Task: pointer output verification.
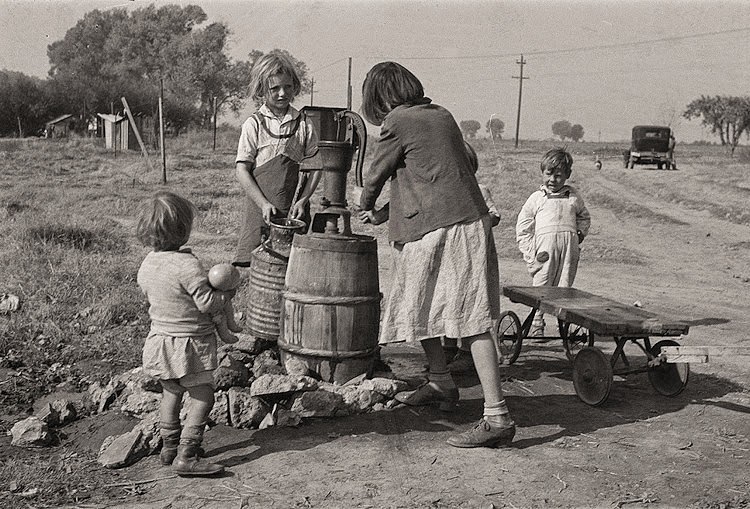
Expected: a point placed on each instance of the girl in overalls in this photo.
(274, 140)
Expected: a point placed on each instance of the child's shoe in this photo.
(430, 393)
(485, 434)
(187, 462)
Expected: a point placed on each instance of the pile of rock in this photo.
(253, 390)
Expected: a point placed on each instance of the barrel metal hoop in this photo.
(306, 298)
(327, 354)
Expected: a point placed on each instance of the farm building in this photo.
(118, 132)
(59, 127)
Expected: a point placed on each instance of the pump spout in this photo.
(359, 137)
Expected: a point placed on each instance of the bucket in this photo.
(331, 305)
(266, 278)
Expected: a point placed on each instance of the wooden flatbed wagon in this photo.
(582, 317)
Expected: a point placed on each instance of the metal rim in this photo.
(592, 376)
(574, 338)
(508, 337)
(668, 379)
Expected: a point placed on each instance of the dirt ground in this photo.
(639, 449)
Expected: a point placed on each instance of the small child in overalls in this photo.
(551, 225)
(274, 140)
(180, 350)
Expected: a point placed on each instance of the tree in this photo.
(470, 128)
(729, 117)
(116, 53)
(22, 103)
(576, 132)
(561, 128)
(495, 128)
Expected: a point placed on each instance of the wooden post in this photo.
(312, 90)
(161, 134)
(137, 134)
(215, 115)
(520, 79)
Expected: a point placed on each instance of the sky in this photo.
(607, 65)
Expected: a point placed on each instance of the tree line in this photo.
(115, 53)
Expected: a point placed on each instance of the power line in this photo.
(582, 48)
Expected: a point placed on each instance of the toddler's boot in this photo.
(187, 462)
(170, 439)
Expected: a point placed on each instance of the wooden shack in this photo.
(116, 131)
(60, 127)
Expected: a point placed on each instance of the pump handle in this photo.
(360, 138)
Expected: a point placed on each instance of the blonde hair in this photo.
(165, 221)
(268, 65)
(558, 157)
(387, 85)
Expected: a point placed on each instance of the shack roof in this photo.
(110, 118)
(60, 119)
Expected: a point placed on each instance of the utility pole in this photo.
(349, 87)
(312, 90)
(520, 79)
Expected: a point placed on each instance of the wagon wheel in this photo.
(508, 337)
(592, 376)
(668, 378)
(574, 338)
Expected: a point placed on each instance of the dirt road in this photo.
(639, 449)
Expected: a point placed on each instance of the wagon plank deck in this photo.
(600, 315)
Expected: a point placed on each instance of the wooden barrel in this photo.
(331, 305)
(266, 279)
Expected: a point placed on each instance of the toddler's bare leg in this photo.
(229, 312)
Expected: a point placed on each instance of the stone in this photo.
(319, 403)
(265, 363)
(245, 410)
(120, 450)
(30, 432)
(247, 344)
(388, 387)
(101, 397)
(295, 366)
(220, 412)
(232, 373)
(140, 402)
(357, 379)
(65, 411)
(281, 384)
(136, 379)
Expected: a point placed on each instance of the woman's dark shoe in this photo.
(427, 394)
(484, 434)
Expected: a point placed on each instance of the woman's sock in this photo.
(497, 414)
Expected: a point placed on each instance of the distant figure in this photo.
(551, 225)
(598, 164)
(670, 153)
